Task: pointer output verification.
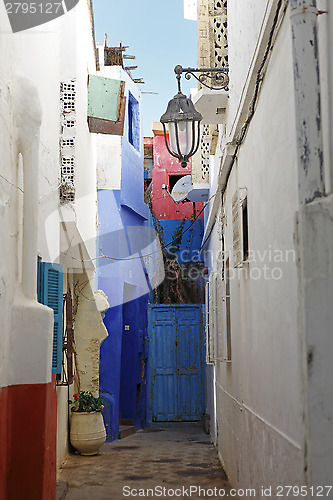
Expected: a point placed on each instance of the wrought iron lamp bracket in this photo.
(218, 77)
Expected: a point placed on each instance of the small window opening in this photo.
(172, 181)
(245, 230)
(133, 122)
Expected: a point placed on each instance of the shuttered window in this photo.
(240, 227)
(209, 345)
(106, 105)
(211, 319)
(50, 293)
(236, 230)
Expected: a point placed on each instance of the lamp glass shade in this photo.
(185, 137)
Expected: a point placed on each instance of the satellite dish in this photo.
(181, 188)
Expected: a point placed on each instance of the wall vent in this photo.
(68, 87)
(69, 123)
(205, 152)
(219, 25)
(67, 140)
(68, 143)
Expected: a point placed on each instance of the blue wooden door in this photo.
(176, 363)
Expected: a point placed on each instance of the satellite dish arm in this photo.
(165, 187)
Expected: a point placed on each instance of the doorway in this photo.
(176, 357)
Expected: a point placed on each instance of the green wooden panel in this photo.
(103, 97)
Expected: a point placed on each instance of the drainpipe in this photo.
(330, 86)
(303, 17)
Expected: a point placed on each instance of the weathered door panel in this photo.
(165, 372)
(176, 363)
(165, 389)
(190, 362)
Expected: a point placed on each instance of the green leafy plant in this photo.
(84, 401)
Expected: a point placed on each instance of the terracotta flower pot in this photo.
(87, 433)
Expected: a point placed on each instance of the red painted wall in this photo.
(164, 166)
(28, 425)
(3, 440)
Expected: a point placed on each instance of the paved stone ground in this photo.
(170, 456)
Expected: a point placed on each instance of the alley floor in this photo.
(163, 461)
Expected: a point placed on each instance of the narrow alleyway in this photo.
(176, 457)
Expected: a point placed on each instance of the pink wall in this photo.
(164, 166)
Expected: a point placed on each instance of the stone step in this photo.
(126, 430)
(124, 421)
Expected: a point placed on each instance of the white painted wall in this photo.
(21, 57)
(261, 433)
(60, 50)
(251, 24)
(108, 162)
(76, 60)
(246, 20)
(110, 151)
(274, 399)
(315, 245)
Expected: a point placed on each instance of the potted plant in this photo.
(87, 432)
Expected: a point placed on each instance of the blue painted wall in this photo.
(132, 170)
(134, 362)
(190, 241)
(122, 223)
(125, 284)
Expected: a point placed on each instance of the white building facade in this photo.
(268, 241)
(48, 215)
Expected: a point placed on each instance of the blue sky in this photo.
(159, 37)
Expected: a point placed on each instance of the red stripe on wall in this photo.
(3, 440)
(28, 425)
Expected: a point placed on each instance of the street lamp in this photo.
(184, 125)
(181, 116)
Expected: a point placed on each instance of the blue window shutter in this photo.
(50, 293)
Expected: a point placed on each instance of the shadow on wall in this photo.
(123, 363)
(110, 416)
(109, 371)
